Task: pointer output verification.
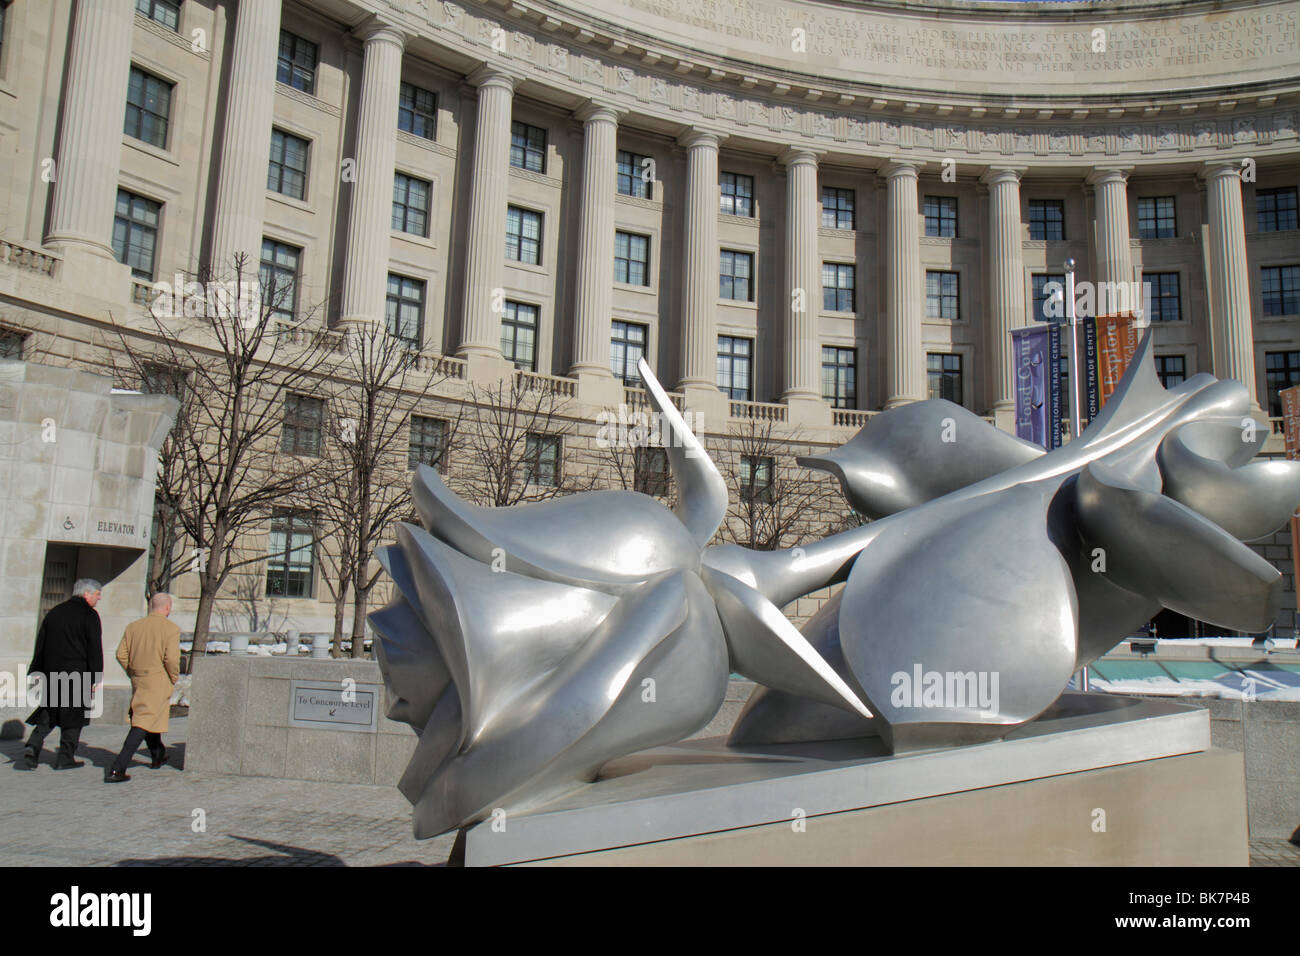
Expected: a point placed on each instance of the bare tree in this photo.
(250, 609)
(631, 451)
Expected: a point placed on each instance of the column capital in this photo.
(380, 31)
(598, 111)
(1219, 169)
(800, 156)
(900, 167)
(703, 138)
(1108, 174)
(1003, 174)
(489, 74)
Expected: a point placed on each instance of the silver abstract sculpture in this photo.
(530, 645)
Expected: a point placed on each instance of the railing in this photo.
(25, 257)
(636, 398)
(761, 411)
(850, 417)
(566, 387)
(445, 365)
(142, 293)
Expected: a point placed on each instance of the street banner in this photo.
(1117, 339)
(1091, 394)
(1291, 426)
(1036, 351)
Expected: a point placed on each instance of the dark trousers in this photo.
(68, 738)
(135, 737)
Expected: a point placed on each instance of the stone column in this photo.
(905, 375)
(90, 132)
(1114, 258)
(365, 270)
(480, 332)
(246, 138)
(595, 293)
(1230, 307)
(803, 284)
(1006, 298)
(700, 267)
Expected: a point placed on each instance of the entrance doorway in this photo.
(60, 575)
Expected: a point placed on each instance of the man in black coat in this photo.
(70, 659)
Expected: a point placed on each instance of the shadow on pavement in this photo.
(284, 855)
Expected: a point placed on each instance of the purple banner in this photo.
(1037, 382)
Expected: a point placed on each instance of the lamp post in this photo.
(1072, 319)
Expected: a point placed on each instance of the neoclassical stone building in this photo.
(800, 212)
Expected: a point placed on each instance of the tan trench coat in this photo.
(150, 653)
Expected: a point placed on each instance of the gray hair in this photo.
(159, 601)
(86, 586)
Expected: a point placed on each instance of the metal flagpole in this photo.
(1075, 418)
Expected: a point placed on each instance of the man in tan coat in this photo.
(150, 653)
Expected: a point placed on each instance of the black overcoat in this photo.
(68, 643)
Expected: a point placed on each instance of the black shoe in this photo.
(158, 760)
(116, 776)
(31, 760)
(68, 764)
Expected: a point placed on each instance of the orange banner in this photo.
(1290, 398)
(1117, 339)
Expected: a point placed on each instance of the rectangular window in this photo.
(837, 287)
(542, 464)
(650, 470)
(528, 147)
(523, 235)
(166, 12)
(736, 367)
(519, 335)
(417, 111)
(278, 274)
(288, 168)
(941, 295)
(941, 216)
(632, 174)
(404, 309)
(1172, 370)
(945, 376)
(839, 376)
(1046, 219)
(626, 348)
(1282, 370)
(12, 343)
(1166, 305)
(148, 106)
(631, 258)
(135, 233)
(428, 442)
(737, 194)
(291, 555)
(304, 423)
(1275, 209)
(736, 276)
(1280, 288)
(162, 380)
(1042, 286)
(411, 204)
(1156, 217)
(837, 208)
(756, 477)
(296, 66)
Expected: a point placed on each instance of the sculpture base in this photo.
(1097, 780)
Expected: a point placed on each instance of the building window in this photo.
(288, 169)
(519, 335)
(11, 343)
(837, 208)
(839, 376)
(1166, 305)
(528, 147)
(404, 309)
(1042, 287)
(304, 422)
(135, 233)
(650, 470)
(523, 235)
(1046, 219)
(1280, 286)
(1282, 370)
(1156, 217)
(756, 477)
(941, 296)
(291, 555)
(632, 178)
(411, 204)
(626, 347)
(1172, 370)
(297, 63)
(417, 111)
(166, 12)
(278, 274)
(428, 442)
(631, 258)
(737, 194)
(737, 276)
(148, 105)
(945, 376)
(1275, 209)
(542, 453)
(162, 380)
(941, 216)
(735, 367)
(837, 287)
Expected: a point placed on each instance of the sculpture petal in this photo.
(410, 662)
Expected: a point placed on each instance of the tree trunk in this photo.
(202, 619)
(341, 599)
(359, 604)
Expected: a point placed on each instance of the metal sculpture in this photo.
(528, 646)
